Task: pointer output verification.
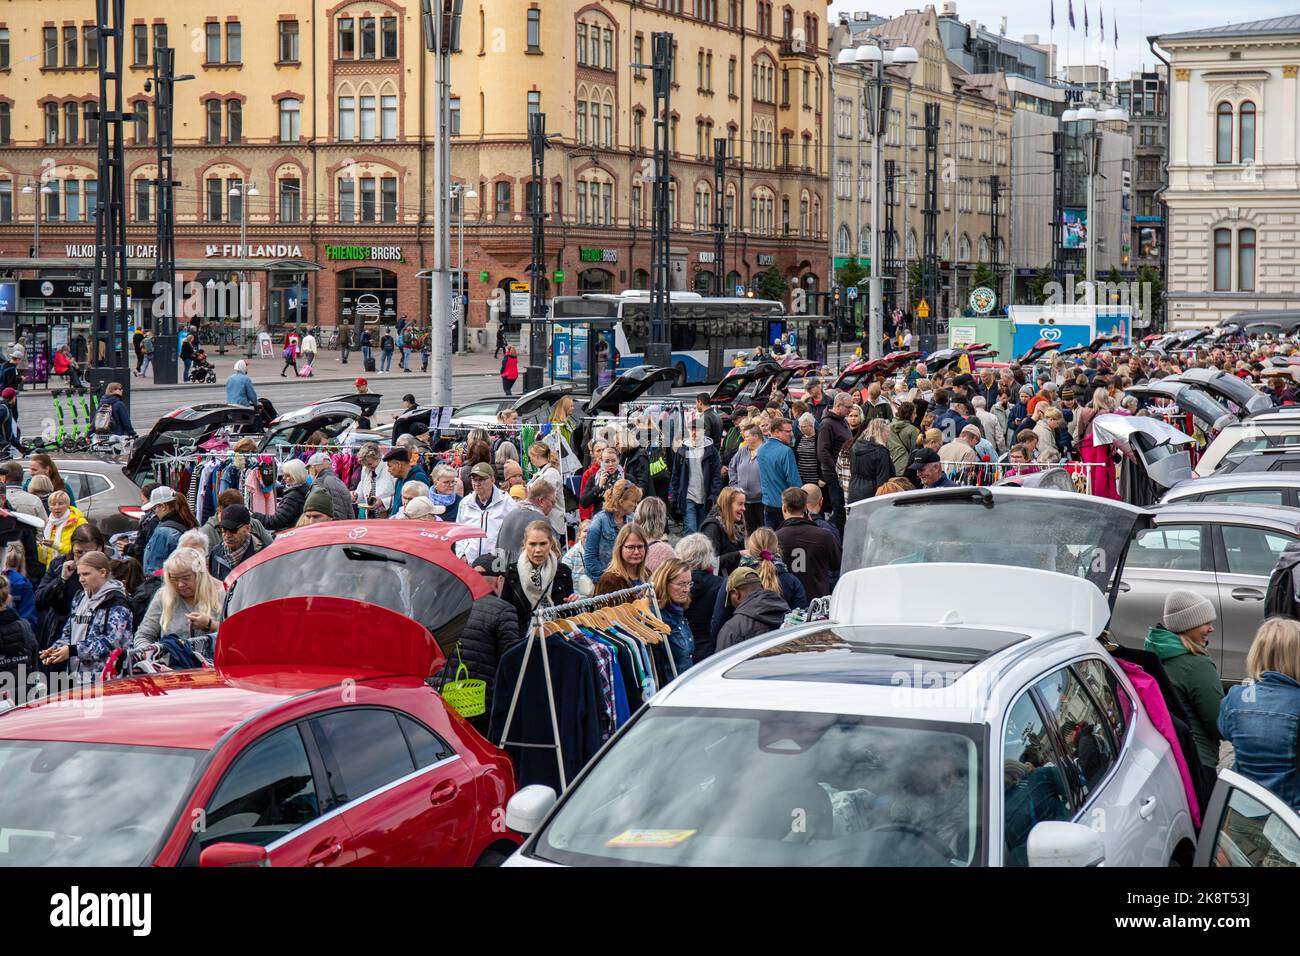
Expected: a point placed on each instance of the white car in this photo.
(939, 718)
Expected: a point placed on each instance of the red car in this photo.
(314, 741)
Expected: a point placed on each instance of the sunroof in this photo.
(918, 657)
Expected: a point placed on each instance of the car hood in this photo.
(190, 425)
(1225, 386)
(628, 387)
(1064, 532)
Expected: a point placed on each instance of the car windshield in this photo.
(1061, 532)
(687, 787)
(79, 804)
(418, 589)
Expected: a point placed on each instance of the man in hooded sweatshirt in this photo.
(758, 610)
(697, 478)
(1181, 641)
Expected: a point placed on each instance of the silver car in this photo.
(1242, 488)
(1223, 552)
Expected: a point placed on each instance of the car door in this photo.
(273, 795)
(407, 796)
(1246, 557)
(1246, 825)
(1170, 555)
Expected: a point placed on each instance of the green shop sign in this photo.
(363, 254)
(597, 255)
(558, 277)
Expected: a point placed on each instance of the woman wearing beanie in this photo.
(1181, 641)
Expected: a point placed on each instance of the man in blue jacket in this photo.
(120, 422)
(777, 470)
(239, 387)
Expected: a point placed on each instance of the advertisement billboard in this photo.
(8, 296)
(1074, 228)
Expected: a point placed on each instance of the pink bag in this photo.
(304, 372)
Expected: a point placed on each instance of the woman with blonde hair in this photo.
(620, 501)
(1259, 718)
(726, 527)
(100, 620)
(763, 554)
(870, 464)
(672, 584)
(1097, 457)
(537, 578)
(63, 519)
(546, 464)
(652, 515)
(894, 486)
(627, 565)
(188, 605)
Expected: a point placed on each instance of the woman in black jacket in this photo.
(289, 508)
(492, 626)
(636, 468)
(725, 529)
(870, 465)
(696, 553)
(538, 578)
(17, 644)
(61, 585)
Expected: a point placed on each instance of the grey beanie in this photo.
(1186, 610)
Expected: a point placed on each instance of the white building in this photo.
(1234, 170)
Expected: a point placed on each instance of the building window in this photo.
(1246, 260)
(92, 199)
(289, 120)
(347, 118)
(288, 41)
(235, 114)
(72, 200)
(70, 47)
(367, 118)
(212, 53)
(1222, 260)
(215, 190)
(388, 199)
(388, 118)
(290, 200)
(51, 123)
(1223, 134)
(389, 51)
(502, 199)
(636, 206)
(534, 102)
(50, 48)
(235, 190)
(6, 200)
(455, 116)
(368, 48)
(52, 204)
(1246, 132)
(71, 124)
(580, 121)
(159, 37)
(534, 31)
(90, 47)
(234, 43)
(140, 118)
(5, 127)
(347, 199)
(347, 38)
(214, 121)
(142, 194)
(638, 52)
(368, 207)
(638, 120)
(4, 65)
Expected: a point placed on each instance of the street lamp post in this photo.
(45, 190)
(873, 58)
(1092, 114)
(461, 194)
(243, 191)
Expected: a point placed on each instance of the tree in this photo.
(771, 285)
(1149, 279)
(915, 285)
(984, 277)
(851, 273)
(1037, 287)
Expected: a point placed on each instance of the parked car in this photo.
(1253, 434)
(315, 741)
(1243, 488)
(945, 726)
(1277, 458)
(1246, 825)
(101, 491)
(1241, 397)
(1223, 552)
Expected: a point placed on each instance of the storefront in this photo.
(367, 294)
(593, 277)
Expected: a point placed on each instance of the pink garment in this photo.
(1103, 478)
(658, 553)
(1154, 702)
(259, 503)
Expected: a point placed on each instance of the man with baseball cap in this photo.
(238, 543)
(758, 610)
(486, 508)
(322, 477)
(400, 467)
(925, 470)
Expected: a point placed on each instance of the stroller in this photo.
(202, 372)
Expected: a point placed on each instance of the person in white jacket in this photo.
(373, 483)
(485, 507)
(309, 348)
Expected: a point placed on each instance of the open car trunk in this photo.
(1064, 532)
(185, 428)
(1210, 416)
(628, 387)
(332, 419)
(1155, 448)
(1225, 387)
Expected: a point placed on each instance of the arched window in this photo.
(1246, 132)
(1223, 134)
(963, 248)
(580, 116)
(984, 249)
(703, 207)
(1246, 260)
(945, 248)
(843, 240)
(817, 215)
(1222, 260)
(864, 242)
(911, 244)
(594, 198)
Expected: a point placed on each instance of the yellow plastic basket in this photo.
(467, 697)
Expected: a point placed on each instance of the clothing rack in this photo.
(536, 635)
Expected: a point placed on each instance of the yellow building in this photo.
(328, 112)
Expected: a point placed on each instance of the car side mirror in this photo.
(1057, 843)
(526, 810)
(234, 854)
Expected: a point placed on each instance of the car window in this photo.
(1286, 464)
(1082, 729)
(1169, 547)
(1252, 835)
(96, 484)
(1033, 787)
(368, 748)
(1252, 550)
(426, 746)
(1109, 694)
(1243, 496)
(267, 792)
(75, 482)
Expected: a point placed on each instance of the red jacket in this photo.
(584, 514)
(510, 367)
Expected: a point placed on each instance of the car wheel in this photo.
(492, 858)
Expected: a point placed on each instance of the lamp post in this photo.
(460, 194)
(243, 191)
(873, 58)
(45, 189)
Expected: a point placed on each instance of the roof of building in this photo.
(1275, 26)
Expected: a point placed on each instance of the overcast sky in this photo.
(1136, 19)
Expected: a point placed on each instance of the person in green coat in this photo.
(1181, 642)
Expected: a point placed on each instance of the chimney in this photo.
(950, 8)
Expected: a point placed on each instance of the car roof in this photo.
(1223, 512)
(1283, 450)
(189, 709)
(1238, 479)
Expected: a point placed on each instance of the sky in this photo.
(1136, 19)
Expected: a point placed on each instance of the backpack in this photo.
(104, 419)
(287, 353)
(1281, 598)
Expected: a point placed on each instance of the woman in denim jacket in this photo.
(620, 501)
(1262, 716)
